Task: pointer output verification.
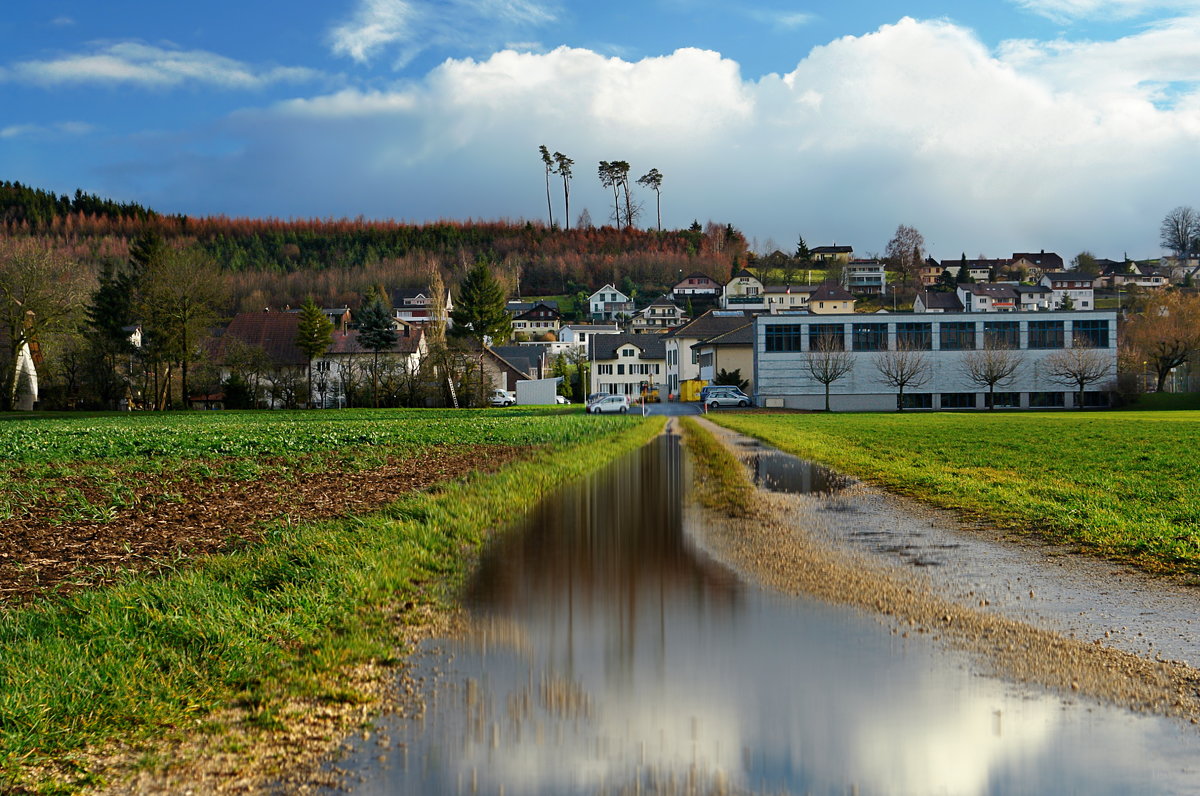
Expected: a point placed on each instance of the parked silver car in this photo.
(726, 396)
(610, 403)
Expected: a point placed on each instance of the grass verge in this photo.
(1117, 484)
(152, 658)
(721, 482)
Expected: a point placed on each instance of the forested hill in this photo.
(275, 257)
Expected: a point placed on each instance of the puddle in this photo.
(781, 472)
(613, 657)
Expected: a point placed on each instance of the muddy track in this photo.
(773, 548)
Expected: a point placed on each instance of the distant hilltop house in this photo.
(419, 305)
(608, 303)
(661, 315)
(696, 284)
(831, 254)
(1131, 274)
(865, 276)
(1070, 288)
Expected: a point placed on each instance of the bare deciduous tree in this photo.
(906, 252)
(993, 366)
(828, 361)
(1180, 230)
(1165, 333)
(1080, 367)
(903, 368)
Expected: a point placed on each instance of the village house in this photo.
(419, 305)
(682, 359)
(1070, 287)
(830, 298)
(579, 335)
(537, 321)
(23, 370)
(696, 284)
(609, 304)
(731, 351)
(788, 298)
(661, 315)
(627, 364)
(744, 291)
(832, 254)
(865, 276)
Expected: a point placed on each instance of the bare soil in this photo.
(172, 522)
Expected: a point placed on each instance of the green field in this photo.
(1117, 484)
(158, 655)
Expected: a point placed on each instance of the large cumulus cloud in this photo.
(1035, 145)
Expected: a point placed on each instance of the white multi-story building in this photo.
(946, 343)
(1070, 285)
(623, 364)
(608, 303)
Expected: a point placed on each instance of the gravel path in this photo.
(1035, 615)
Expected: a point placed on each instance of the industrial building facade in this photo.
(948, 348)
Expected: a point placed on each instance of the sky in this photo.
(992, 126)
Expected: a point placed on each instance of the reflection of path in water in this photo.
(611, 654)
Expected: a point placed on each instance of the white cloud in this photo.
(150, 66)
(1068, 10)
(31, 130)
(781, 20)
(410, 26)
(62, 22)
(1059, 146)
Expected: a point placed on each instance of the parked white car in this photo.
(503, 398)
(610, 403)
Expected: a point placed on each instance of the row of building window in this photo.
(951, 335)
(1000, 400)
(633, 370)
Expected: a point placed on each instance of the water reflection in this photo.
(615, 657)
(783, 472)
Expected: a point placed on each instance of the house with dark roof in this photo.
(988, 297)
(538, 320)
(788, 298)
(609, 304)
(260, 348)
(829, 254)
(1035, 264)
(623, 364)
(928, 301)
(682, 360)
(830, 298)
(729, 351)
(865, 276)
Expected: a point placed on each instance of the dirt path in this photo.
(792, 545)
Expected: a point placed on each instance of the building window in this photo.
(1046, 334)
(958, 400)
(1002, 400)
(1001, 334)
(914, 336)
(783, 337)
(827, 336)
(957, 336)
(1093, 334)
(1047, 400)
(870, 336)
(604, 370)
(620, 370)
(1095, 399)
(918, 400)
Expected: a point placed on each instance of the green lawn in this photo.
(156, 655)
(1119, 484)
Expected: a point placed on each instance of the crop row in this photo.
(253, 434)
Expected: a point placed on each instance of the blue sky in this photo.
(993, 127)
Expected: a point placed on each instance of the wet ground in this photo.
(611, 654)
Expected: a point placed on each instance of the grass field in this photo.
(157, 655)
(1118, 484)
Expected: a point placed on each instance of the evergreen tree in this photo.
(375, 333)
(480, 314)
(109, 315)
(313, 335)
